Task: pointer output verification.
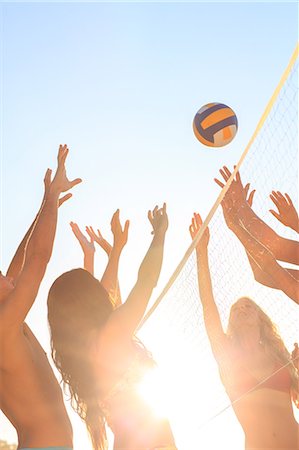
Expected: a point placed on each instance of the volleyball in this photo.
(215, 124)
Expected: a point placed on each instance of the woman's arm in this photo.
(126, 318)
(16, 305)
(17, 262)
(110, 276)
(283, 249)
(211, 315)
(275, 275)
(115, 297)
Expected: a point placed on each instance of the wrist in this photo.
(159, 237)
(202, 250)
(295, 226)
(54, 192)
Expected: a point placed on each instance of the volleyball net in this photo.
(174, 328)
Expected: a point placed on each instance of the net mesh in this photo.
(198, 406)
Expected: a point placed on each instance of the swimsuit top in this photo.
(239, 381)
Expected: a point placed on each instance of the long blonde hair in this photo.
(273, 345)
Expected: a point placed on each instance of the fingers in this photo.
(126, 228)
(250, 198)
(99, 233)
(274, 199)
(219, 183)
(225, 173)
(155, 210)
(75, 229)
(196, 223)
(151, 214)
(62, 154)
(64, 199)
(246, 189)
(275, 214)
(90, 232)
(279, 198)
(47, 178)
(289, 199)
(75, 182)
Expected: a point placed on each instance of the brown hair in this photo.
(77, 305)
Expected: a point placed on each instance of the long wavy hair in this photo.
(272, 343)
(78, 305)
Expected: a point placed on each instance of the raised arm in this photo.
(17, 262)
(211, 315)
(126, 318)
(274, 275)
(15, 306)
(87, 247)
(110, 276)
(283, 249)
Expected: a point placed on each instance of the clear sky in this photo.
(120, 83)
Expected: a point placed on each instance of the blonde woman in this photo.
(256, 369)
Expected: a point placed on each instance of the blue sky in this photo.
(120, 83)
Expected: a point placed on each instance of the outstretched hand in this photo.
(194, 228)
(236, 196)
(47, 184)
(236, 191)
(120, 234)
(98, 238)
(86, 245)
(60, 182)
(158, 219)
(287, 213)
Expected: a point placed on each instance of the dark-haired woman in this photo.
(97, 354)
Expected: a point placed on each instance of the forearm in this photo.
(211, 315)
(17, 262)
(110, 277)
(283, 249)
(205, 284)
(258, 228)
(151, 265)
(42, 237)
(281, 278)
(88, 262)
(260, 275)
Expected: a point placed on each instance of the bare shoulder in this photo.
(19, 345)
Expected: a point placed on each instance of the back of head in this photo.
(77, 305)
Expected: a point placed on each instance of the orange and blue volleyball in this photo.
(215, 124)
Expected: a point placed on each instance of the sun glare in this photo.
(152, 390)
